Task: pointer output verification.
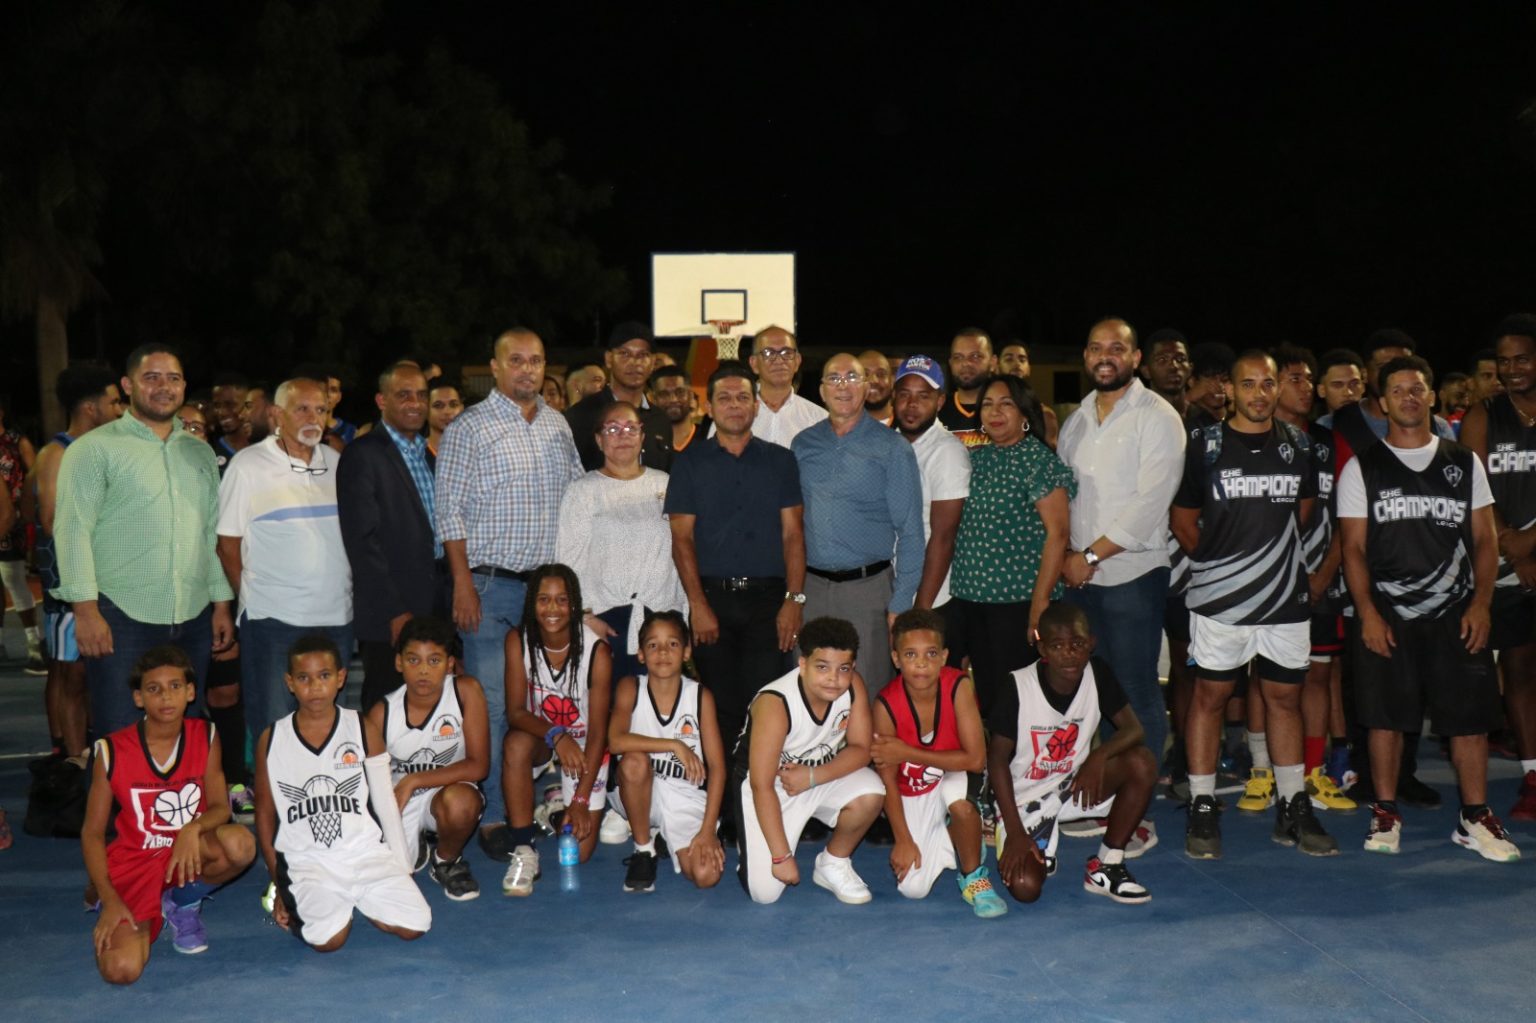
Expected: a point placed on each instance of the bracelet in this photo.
(581, 800)
(812, 785)
(783, 859)
(552, 736)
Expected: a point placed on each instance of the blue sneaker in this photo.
(186, 924)
(976, 889)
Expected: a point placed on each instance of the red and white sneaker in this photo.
(1485, 836)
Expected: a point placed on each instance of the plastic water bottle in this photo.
(570, 859)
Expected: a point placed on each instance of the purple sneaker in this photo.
(186, 924)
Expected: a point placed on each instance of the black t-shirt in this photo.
(1247, 568)
(1511, 467)
(963, 420)
(1418, 530)
(1005, 706)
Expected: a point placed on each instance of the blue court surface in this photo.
(1263, 934)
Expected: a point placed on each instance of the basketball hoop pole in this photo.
(727, 342)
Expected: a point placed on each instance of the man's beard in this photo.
(1115, 383)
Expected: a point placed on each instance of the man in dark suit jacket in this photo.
(384, 492)
(629, 356)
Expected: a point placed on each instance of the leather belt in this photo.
(851, 574)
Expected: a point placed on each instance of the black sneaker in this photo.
(1202, 835)
(423, 853)
(641, 875)
(1115, 881)
(1296, 824)
(1416, 794)
(455, 877)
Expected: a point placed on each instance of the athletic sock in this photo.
(1258, 749)
(1289, 780)
(1469, 811)
(648, 847)
(191, 894)
(1527, 766)
(1202, 785)
(34, 637)
(522, 836)
(1110, 856)
(1312, 752)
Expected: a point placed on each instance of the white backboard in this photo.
(689, 289)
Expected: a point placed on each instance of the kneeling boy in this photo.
(174, 843)
(439, 740)
(927, 736)
(672, 764)
(322, 846)
(1044, 772)
(805, 753)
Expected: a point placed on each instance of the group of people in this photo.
(925, 604)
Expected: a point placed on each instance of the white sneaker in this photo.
(1142, 839)
(1386, 832)
(522, 872)
(1485, 836)
(614, 830)
(837, 876)
(1088, 827)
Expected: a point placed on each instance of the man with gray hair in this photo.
(281, 548)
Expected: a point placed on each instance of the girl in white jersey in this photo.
(438, 734)
(558, 691)
(672, 772)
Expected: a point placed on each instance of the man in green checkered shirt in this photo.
(137, 503)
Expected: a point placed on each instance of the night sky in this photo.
(1248, 178)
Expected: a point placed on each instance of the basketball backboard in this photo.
(690, 291)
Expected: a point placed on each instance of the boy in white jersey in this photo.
(323, 849)
(672, 773)
(805, 753)
(438, 736)
(1044, 773)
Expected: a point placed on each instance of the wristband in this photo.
(553, 735)
(812, 785)
(783, 859)
(581, 800)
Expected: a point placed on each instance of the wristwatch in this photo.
(798, 598)
(1090, 557)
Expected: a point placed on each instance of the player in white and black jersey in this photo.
(1046, 771)
(672, 771)
(805, 753)
(1246, 491)
(438, 735)
(1420, 556)
(1501, 430)
(320, 840)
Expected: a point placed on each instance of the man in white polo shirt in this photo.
(280, 544)
(781, 413)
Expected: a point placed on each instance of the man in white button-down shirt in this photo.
(1126, 446)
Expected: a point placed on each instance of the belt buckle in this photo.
(737, 583)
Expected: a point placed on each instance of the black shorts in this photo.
(1514, 618)
(1429, 670)
(1327, 636)
(1176, 618)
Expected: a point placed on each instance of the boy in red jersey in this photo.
(173, 845)
(927, 736)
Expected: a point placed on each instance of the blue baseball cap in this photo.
(923, 366)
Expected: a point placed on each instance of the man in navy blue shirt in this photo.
(863, 507)
(735, 510)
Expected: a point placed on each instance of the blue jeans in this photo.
(264, 644)
(106, 678)
(485, 657)
(1127, 620)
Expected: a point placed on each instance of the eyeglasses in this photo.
(523, 362)
(776, 354)
(632, 354)
(621, 429)
(308, 470)
(838, 379)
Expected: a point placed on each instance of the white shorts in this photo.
(1217, 646)
(824, 802)
(321, 898)
(928, 821)
(417, 815)
(677, 813)
(596, 799)
(14, 574)
(1041, 823)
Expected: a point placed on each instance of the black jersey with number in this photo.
(1511, 468)
(1319, 533)
(1418, 530)
(1247, 568)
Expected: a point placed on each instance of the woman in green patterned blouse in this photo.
(1012, 538)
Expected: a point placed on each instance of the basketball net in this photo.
(726, 342)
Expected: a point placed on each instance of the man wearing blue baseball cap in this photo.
(943, 464)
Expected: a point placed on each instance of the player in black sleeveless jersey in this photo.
(1248, 486)
(1420, 556)
(1501, 430)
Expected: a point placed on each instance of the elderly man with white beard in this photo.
(281, 548)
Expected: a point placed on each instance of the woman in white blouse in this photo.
(614, 536)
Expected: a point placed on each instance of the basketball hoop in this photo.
(726, 342)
